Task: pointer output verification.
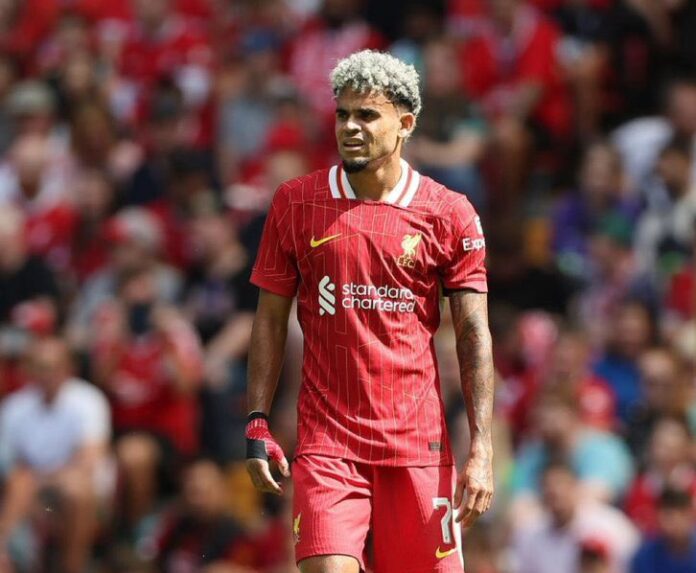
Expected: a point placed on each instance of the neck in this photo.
(377, 179)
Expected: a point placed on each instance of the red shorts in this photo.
(407, 509)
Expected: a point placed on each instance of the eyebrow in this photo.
(359, 110)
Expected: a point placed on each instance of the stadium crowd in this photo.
(141, 142)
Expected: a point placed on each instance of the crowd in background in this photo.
(140, 144)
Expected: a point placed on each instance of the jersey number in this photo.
(439, 502)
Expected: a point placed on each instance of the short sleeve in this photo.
(464, 250)
(275, 268)
(96, 417)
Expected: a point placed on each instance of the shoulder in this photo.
(84, 394)
(440, 200)
(18, 402)
(443, 203)
(314, 185)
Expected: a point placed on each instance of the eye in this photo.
(367, 114)
(341, 114)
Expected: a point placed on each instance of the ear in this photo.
(408, 124)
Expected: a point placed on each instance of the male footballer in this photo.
(368, 247)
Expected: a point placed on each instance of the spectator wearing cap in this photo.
(53, 438)
(33, 106)
(136, 241)
(673, 549)
(570, 525)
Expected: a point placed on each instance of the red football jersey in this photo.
(368, 276)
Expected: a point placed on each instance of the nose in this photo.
(351, 125)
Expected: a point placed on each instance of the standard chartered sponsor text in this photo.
(383, 298)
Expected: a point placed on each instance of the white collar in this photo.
(401, 195)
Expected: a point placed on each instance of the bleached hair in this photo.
(370, 71)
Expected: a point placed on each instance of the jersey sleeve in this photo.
(275, 268)
(463, 249)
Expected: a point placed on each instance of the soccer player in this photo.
(368, 246)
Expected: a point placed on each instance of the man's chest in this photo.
(364, 239)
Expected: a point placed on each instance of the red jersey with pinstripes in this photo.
(368, 276)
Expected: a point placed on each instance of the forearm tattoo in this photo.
(474, 351)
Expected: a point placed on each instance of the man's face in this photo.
(368, 128)
(49, 365)
(676, 524)
(559, 489)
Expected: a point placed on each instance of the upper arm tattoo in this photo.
(474, 351)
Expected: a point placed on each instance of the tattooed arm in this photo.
(470, 318)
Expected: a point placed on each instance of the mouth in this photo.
(353, 144)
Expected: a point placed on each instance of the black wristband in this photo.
(256, 449)
(255, 415)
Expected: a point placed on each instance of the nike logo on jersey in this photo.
(442, 554)
(316, 243)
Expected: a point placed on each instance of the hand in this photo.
(261, 446)
(476, 480)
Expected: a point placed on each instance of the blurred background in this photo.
(141, 142)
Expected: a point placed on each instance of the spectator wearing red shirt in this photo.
(148, 360)
(512, 67)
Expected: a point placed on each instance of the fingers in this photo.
(260, 473)
(478, 501)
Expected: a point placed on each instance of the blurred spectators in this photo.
(630, 332)
(220, 302)
(513, 68)
(201, 535)
(53, 437)
(665, 392)
(147, 359)
(451, 135)
(141, 142)
(600, 195)
(666, 231)
(570, 529)
(673, 549)
(600, 460)
(667, 463)
(135, 240)
(22, 277)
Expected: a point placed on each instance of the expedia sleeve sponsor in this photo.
(464, 250)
